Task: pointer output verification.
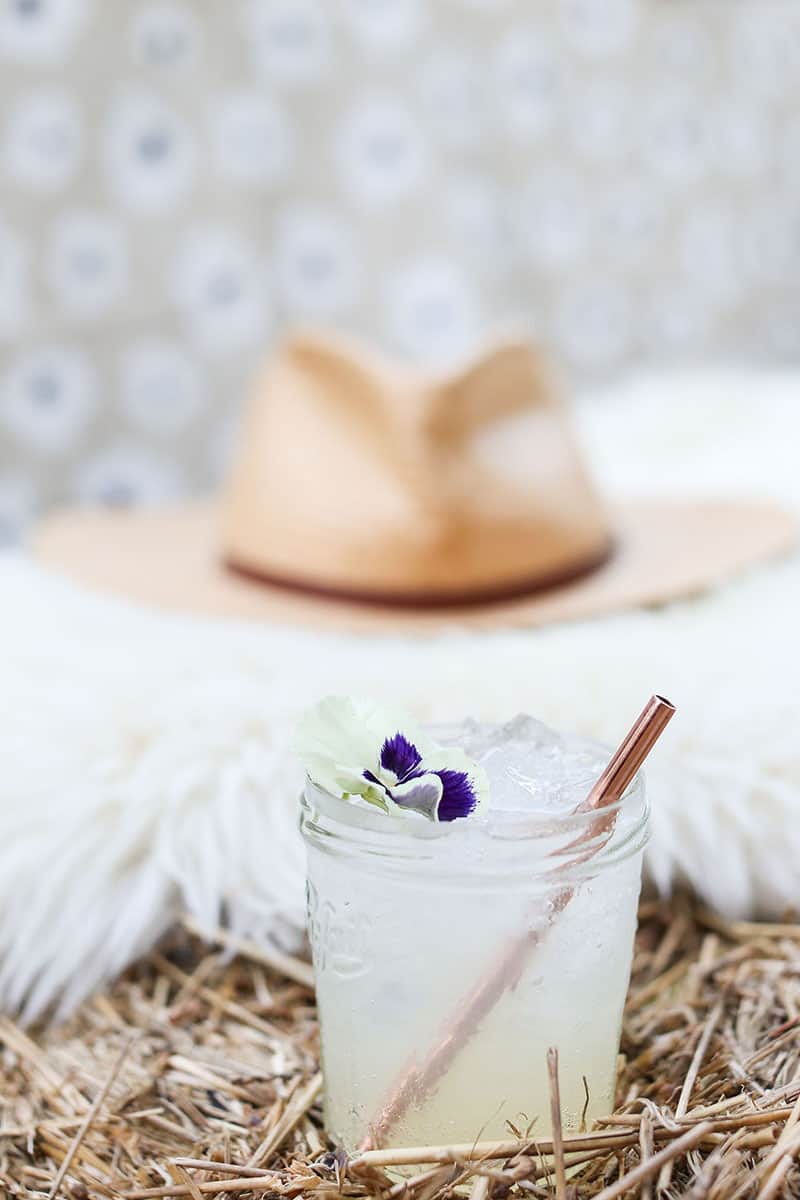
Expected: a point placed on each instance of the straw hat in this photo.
(367, 496)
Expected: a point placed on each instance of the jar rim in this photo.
(536, 843)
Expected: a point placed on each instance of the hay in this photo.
(197, 1074)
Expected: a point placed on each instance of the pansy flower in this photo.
(360, 751)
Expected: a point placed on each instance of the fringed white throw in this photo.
(143, 762)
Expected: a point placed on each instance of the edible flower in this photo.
(361, 751)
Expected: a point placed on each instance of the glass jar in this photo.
(450, 957)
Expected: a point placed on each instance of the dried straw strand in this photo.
(555, 1121)
(647, 1169)
(85, 1125)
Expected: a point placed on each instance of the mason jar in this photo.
(450, 957)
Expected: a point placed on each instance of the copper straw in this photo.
(632, 751)
(416, 1082)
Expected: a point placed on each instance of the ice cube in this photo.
(530, 767)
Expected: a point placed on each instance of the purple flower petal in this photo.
(458, 794)
(400, 755)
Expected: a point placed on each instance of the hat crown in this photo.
(358, 476)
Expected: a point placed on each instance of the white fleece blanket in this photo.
(143, 764)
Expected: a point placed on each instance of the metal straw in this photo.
(416, 1082)
(632, 751)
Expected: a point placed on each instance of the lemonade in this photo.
(406, 923)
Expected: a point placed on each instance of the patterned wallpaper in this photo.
(181, 180)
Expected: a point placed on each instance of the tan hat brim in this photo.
(170, 559)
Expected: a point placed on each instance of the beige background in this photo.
(180, 180)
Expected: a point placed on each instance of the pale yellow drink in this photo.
(405, 921)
